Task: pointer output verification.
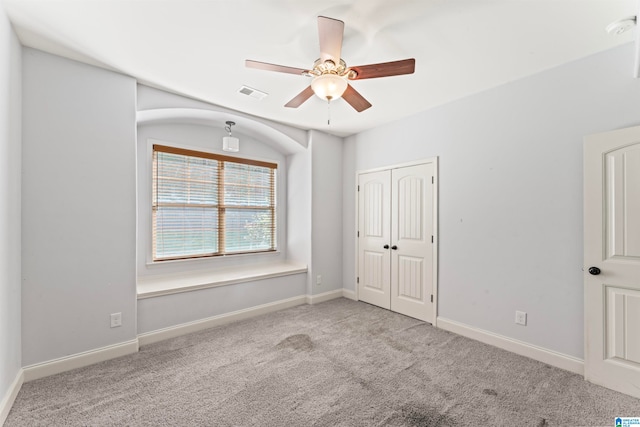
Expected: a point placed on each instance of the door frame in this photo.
(436, 231)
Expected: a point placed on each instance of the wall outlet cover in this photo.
(116, 320)
(521, 318)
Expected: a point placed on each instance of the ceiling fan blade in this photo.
(273, 67)
(330, 32)
(300, 98)
(356, 100)
(385, 69)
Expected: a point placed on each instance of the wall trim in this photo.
(221, 319)
(7, 401)
(559, 360)
(79, 360)
(346, 293)
(325, 296)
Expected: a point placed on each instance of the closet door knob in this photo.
(394, 247)
(594, 270)
(386, 246)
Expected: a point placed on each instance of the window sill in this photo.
(149, 287)
(152, 264)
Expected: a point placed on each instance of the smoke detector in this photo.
(622, 25)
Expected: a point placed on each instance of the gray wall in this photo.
(10, 152)
(171, 310)
(510, 193)
(299, 210)
(326, 212)
(78, 207)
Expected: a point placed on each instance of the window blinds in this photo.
(206, 204)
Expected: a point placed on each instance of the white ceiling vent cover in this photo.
(254, 93)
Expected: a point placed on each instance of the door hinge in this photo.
(432, 180)
(358, 188)
(431, 239)
(431, 297)
(357, 280)
(358, 234)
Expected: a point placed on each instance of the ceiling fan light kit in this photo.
(330, 73)
(329, 87)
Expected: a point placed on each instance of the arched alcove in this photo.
(255, 129)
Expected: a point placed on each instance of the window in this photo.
(208, 204)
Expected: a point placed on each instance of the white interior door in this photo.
(612, 259)
(374, 223)
(411, 239)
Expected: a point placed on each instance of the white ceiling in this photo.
(197, 48)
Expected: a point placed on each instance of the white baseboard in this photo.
(210, 322)
(559, 360)
(79, 360)
(346, 293)
(7, 401)
(325, 296)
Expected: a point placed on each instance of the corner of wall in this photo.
(326, 213)
(10, 214)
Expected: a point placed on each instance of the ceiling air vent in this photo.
(254, 93)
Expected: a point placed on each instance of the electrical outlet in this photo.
(116, 320)
(318, 280)
(521, 318)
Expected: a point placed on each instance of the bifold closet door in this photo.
(395, 246)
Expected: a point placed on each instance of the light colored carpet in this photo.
(339, 363)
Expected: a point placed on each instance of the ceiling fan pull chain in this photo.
(329, 111)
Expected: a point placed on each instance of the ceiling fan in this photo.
(330, 73)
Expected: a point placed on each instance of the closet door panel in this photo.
(374, 220)
(411, 240)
